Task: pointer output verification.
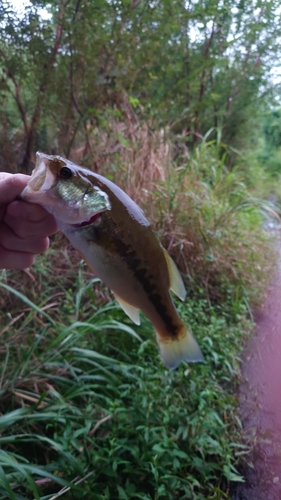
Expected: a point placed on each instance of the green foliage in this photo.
(259, 156)
(88, 406)
(196, 66)
(223, 248)
(270, 154)
(210, 220)
(272, 128)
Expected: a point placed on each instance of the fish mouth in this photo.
(39, 174)
(41, 179)
(73, 210)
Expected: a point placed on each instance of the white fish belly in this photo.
(111, 270)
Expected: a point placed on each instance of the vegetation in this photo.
(86, 402)
(174, 101)
(194, 65)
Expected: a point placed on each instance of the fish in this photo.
(115, 239)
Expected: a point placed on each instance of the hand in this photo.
(24, 227)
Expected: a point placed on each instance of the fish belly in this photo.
(112, 270)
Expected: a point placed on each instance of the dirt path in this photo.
(260, 399)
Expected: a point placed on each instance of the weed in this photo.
(207, 216)
(87, 406)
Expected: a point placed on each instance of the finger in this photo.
(5, 175)
(10, 241)
(11, 186)
(28, 211)
(30, 229)
(15, 260)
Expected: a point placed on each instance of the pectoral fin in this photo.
(131, 311)
(176, 283)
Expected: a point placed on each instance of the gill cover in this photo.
(60, 186)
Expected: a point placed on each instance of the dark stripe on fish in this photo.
(106, 236)
(129, 255)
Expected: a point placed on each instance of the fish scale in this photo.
(113, 236)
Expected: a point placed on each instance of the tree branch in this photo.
(43, 86)
(16, 95)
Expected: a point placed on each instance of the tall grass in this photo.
(212, 225)
(88, 410)
(208, 216)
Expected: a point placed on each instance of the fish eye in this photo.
(65, 172)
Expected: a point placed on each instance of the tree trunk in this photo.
(42, 90)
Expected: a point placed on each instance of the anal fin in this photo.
(131, 311)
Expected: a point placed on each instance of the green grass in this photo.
(89, 411)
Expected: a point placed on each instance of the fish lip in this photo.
(41, 178)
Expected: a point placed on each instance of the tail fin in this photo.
(185, 348)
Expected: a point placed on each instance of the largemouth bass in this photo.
(115, 239)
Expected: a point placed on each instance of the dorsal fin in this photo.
(176, 282)
(131, 311)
